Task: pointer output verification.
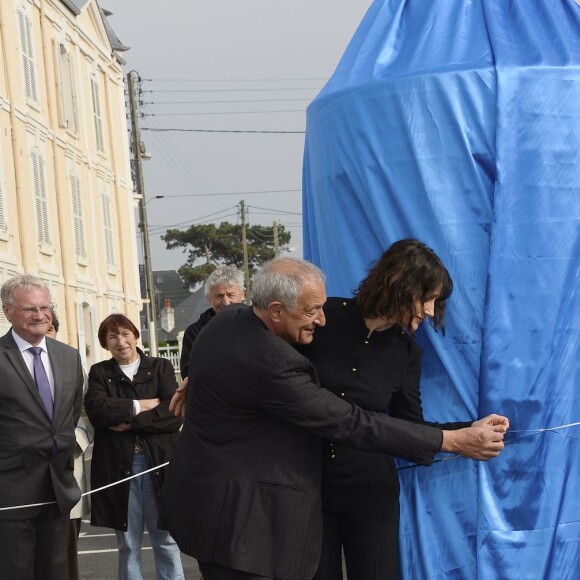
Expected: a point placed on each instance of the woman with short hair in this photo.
(128, 404)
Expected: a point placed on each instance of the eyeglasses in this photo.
(32, 310)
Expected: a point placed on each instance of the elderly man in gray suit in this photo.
(40, 402)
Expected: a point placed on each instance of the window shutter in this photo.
(78, 222)
(97, 116)
(95, 327)
(66, 87)
(27, 49)
(72, 94)
(3, 227)
(4, 324)
(81, 334)
(108, 226)
(40, 197)
(60, 84)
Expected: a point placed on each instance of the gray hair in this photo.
(282, 280)
(224, 275)
(23, 282)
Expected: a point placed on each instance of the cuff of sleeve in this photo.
(136, 408)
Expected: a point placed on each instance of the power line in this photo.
(214, 215)
(229, 80)
(228, 193)
(260, 238)
(159, 130)
(220, 102)
(185, 225)
(185, 173)
(275, 210)
(219, 113)
(232, 90)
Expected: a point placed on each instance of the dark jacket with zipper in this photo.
(189, 337)
(109, 402)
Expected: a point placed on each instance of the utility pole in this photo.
(150, 303)
(276, 240)
(245, 250)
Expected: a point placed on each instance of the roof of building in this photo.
(116, 44)
(187, 305)
(77, 6)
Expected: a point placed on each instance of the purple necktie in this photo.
(42, 380)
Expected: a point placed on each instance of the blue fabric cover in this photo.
(458, 122)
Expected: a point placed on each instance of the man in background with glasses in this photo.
(41, 389)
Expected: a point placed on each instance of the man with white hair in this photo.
(224, 286)
(242, 492)
(41, 395)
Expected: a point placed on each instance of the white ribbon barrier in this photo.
(19, 507)
(527, 432)
(509, 432)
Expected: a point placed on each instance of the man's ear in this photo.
(6, 309)
(275, 311)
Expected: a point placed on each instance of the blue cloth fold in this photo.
(458, 123)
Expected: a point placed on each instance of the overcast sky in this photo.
(259, 55)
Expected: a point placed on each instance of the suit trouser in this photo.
(360, 499)
(35, 548)
(211, 571)
(74, 530)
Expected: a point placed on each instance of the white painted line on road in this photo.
(84, 535)
(84, 552)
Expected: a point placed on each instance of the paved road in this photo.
(98, 556)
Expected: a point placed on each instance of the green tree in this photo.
(209, 245)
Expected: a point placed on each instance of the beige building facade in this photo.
(67, 208)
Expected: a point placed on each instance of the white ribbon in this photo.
(530, 431)
(19, 507)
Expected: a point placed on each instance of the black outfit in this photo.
(217, 572)
(243, 489)
(360, 490)
(108, 402)
(189, 337)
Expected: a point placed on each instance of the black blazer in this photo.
(37, 454)
(243, 488)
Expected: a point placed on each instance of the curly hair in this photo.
(407, 272)
(224, 275)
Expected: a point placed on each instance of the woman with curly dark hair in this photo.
(367, 355)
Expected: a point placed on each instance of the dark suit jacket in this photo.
(243, 488)
(37, 454)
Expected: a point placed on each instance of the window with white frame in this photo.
(3, 225)
(25, 31)
(40, 196)
(66, 87)
(77, 211)
(108, 227)
(97, 114)
(4, 324)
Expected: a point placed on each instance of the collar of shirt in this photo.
(23, 345)
(28, 357)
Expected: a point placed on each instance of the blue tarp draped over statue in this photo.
(458, 122)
